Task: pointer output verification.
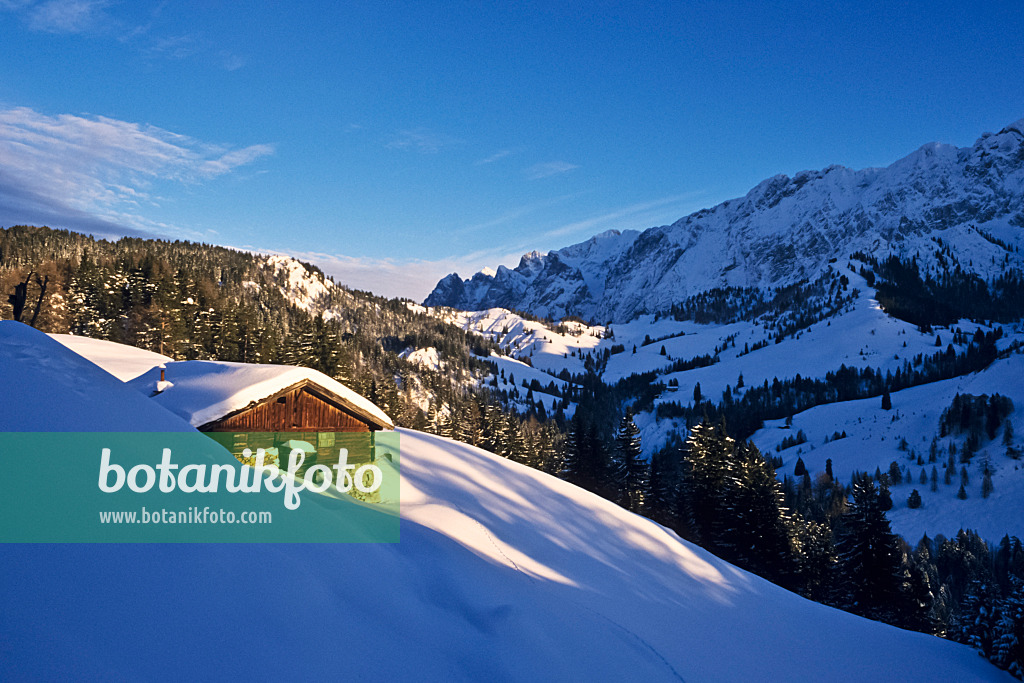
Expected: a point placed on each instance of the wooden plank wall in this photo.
(297, 411)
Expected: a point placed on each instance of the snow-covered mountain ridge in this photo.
(783, 231)
(742, 356)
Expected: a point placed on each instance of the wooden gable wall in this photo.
(297, 410)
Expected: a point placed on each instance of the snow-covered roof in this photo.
(120, 360)
(47, 387)
(202, 391)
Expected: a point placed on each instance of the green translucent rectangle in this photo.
(144, 487)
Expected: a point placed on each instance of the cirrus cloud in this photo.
(422, 140)
(408, 278)
(97, 173)
(548, 169)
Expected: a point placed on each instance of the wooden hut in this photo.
(274, 407)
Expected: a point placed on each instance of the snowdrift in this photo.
(48, 387)
(502, 573)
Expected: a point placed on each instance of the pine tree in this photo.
(986, 484)
(914, 501)
(800, 469)
(662, 505)
(637, 470)
(517, 448)
(446, 424)
(816, 557)
(571, 451)
(884, 497)
(707, 459)
(613, 475)
(1008, 641)
(759, 533)
(871, 561)
(977, 623)
(886, 401)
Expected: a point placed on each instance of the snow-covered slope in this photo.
(548, 349)
(48, 387)
(502, 573)
(122, 361)
(875, 438)
(860, 336)
(784, 230)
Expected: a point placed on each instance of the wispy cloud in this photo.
(421, 140)
(409, 278)
(176, 47)
(415, 278)
(635, 216)
(100, 18)
(497, 156)
(68, 16)
(548, 169)
(230, 61)
(81, 172)
(515, 213)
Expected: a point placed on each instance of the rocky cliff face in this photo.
(784, 230)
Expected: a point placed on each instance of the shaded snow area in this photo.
(515, 376)
(121, 361)
(875, 438)
(502, 573)
(201, 391)
(48, 387)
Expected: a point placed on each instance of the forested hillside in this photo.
(198, 301)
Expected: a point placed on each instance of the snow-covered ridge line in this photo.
(784, 230)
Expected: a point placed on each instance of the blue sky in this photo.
(392, 143)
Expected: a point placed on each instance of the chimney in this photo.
(162, 384)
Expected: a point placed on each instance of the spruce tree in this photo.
(637, 483)
(799, 469)
(759, 534)
(570, 470)
(1008, 641)
(977, 623)
(661, 506)
(871, 560)
(707, 456)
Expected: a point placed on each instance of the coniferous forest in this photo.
(825, 539)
